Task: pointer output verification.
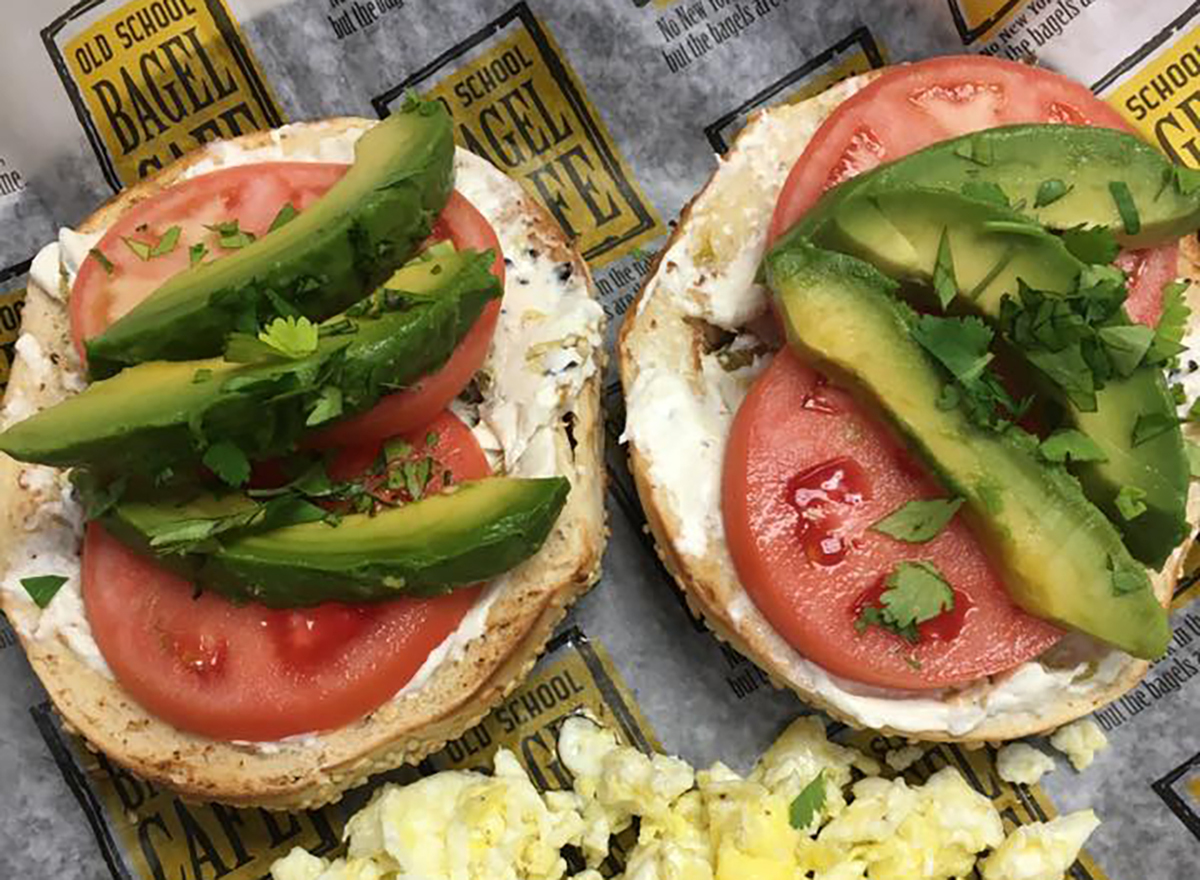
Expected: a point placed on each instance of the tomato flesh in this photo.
(206, 665)
(806, 473)
(916, 105)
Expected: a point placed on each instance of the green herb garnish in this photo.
(1131, 502)
(1070, 445)
(916, 592)
(806, 805)
(196, 253)
(1125, 206)
(328, 407)
(985, 191)
(167, 243)
(293, 338)
(43, 588)
(140, 249)
(228, 462)
(1049, 192)
(1091, 244)
(945, 285)
(917, 522)
(105, 263)
(286, 214)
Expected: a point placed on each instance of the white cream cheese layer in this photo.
(680, 428)
(545, 348)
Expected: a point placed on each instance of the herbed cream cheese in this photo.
(680, 428)
(546, 347)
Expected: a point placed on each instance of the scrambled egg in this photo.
(1021, 763)
(1080, 741)
(789, 817)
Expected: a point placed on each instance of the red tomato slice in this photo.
(230, 671)
(406, 410)
(806, 473)
(916, 105)
(251, 194)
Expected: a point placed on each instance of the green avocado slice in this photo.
(162, 414)
(474, 532)
(331, 255)
(899, 231)
(1060, 557)
(1058, 174)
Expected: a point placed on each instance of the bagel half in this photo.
(702, 287)
(452, 692)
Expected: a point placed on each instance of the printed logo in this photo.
(855, 53)
(975, 18)
(11, 181)
(12, 300)
(155, 78)
(1162, 98)
(516, 102)
(148, 834)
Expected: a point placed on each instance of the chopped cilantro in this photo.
(1091, 244)
(293, 338)
(396, 449)
(431, 439)
(1172, 324)
(140, 249)
(916, 522)
(1151, 425)
(286, 214)
(808, 803)
(990, 495)
(231, 236)
(1127, 579)
(1000, 265)
(1070, 445)
(190, 535)
(916, 592)
(985, 191)
(975, 150)
(196, 253)
(42, 588)
(1049, 192)
(1125, 206)
(167, 243)
(328, 406)
(1187, 180)
(1126, 345)
(1131, 502)
(228, 462)
(416, 476)
(105, 263)
(959, 344)
(201, 376)
(945, 285)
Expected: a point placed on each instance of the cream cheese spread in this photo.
(546, 347)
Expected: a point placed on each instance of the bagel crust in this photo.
(525, 606)
(702, 286)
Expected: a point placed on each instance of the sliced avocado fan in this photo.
(330, 256)
(1059, 556)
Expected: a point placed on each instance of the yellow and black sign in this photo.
(855, 53)
(1017, 804)
(148, 834)
(1162, 99)
(516, 102)
(975, 19)
(153, 79)
(12, 299)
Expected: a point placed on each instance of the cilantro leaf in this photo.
(1131, 502)
(105, 263)
(916, 522)
(1187, 180)
(977, 150)
(1126, 207)
(328, 407)
(43, 588)
(959, 344)
(140, 249)
(945, 285)
(1126, 345)
(1172, 324)
(293, 338)
(231, 235)
(1049, 192)
(199, 534)
(228, 462)
(286, 214)
(808, 803)
(1151, 425)
(196, 253)
(1127, 579)
(416, 476)
(916, 592)
(1070, 445)
(1091, 244)
(985, 191)
(167, 243)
